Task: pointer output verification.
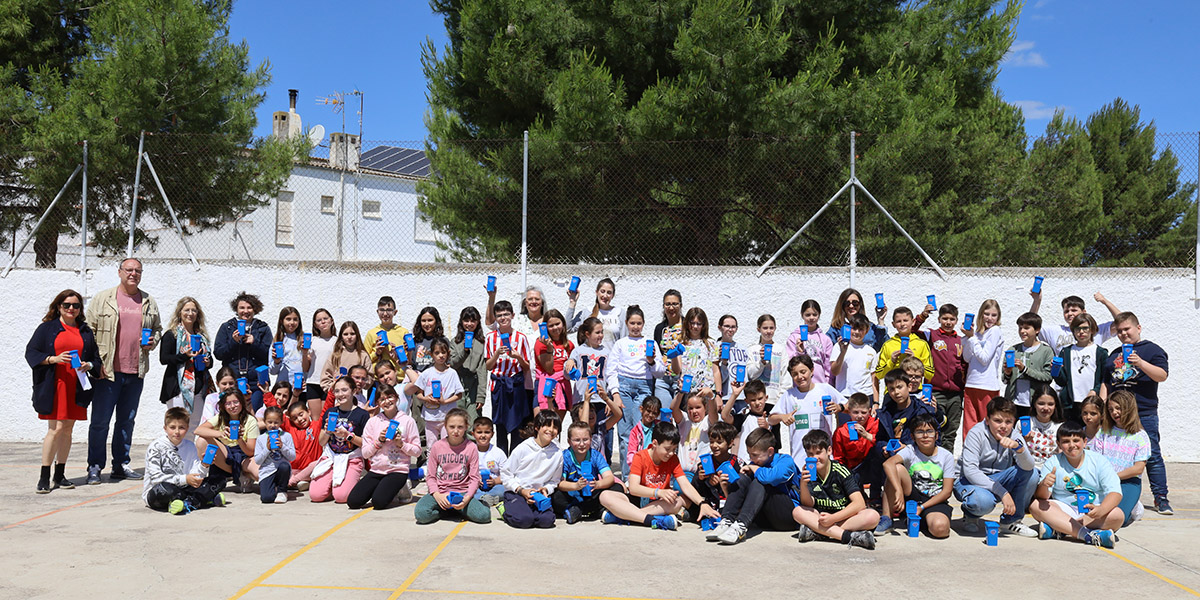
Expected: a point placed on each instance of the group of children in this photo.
(841, 434)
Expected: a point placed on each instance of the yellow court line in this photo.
(529, 595)
(1162, 577)
(428, 561)
(324, 587)
(54, 512)
(313, 544)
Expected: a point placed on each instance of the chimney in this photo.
(292, 94)
(285, 125)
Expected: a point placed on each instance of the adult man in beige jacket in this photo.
(127, 326)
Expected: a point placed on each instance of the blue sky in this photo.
(1076, 55)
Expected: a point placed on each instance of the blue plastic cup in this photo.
(574, 286)
(969, 321)
(825, 402)
(687, 384)
(706, 463)
(724, 350)
(993, 532)
(417, 474)
(932, 300)
(197, 342)
(709, 523)
(298, 381)
(146, 334)
(1056, 364)
(262, 375)
(241, 325)
(1026, 425)
(574, 374)
(739, 373)
(1037, 284)
(664, 415)
(402, 355)
(540, 501)
(1010, 358)
(810, 463)
(454, 497)
(852, 431)
(804, 333)
(730, 472)
(592, 383)
(649, 348)
(927, 390)
(544, 331)
(893, 446)
(383, 337)
(675, 351)
(506, 340)
(307, 341)
(879, 301)
(210, 454)
(547, 388)
(846, 333)
(767, 352)
(391, 430)
(273, 439)
(235, 429)
(914, 526)
(1081, 500)
(1126, 350)
(904, 345)
(468, 339)
(435, 389)
(410, 342)
(278, 347)
(331, 422)
(491, 283)
(242, 386)
(371, 398)
(76, 363)
(485, 477)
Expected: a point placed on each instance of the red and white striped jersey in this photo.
(505, 366)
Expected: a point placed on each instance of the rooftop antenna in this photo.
(338, 101)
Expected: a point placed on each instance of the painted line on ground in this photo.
(1155, 573)
(54, 512)
(323, 587)
(297, 554)
(428, 561)
(528, 595)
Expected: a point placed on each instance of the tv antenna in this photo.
(338, 101)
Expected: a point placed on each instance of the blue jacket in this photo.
(782, 476)
(243, 358)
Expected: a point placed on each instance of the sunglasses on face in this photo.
(72, 305)
(852, 303)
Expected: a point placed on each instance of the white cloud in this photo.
(1035, 110)
(1040, 4)
(1021, 54)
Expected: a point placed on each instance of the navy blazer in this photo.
(40, 346)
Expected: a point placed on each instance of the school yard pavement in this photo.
(100, 542)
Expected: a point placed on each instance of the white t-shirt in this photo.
(613, 320)
(807, 409)
(492, 460)
(1083, 371)
(322, 350)
(693, 441)
(1060, 336)
(451, 385)
(748, 427)
(858, 370)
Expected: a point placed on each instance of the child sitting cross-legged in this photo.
(453, 469)
(831, 503)
(765, 494)
(650, 500)
(1077, 481)
(585, 474)
(532, 473)
(923, 473)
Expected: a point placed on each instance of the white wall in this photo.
(1161, 298)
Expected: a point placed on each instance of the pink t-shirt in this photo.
(128, 349)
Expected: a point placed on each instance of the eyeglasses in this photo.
(924, 432)
(131, 271)
(74, 305)
(852, 303)
(672, 304)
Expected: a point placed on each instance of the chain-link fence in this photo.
(734, 202)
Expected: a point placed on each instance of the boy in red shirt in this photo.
(863, 456)
(650, 500)
(949, 369)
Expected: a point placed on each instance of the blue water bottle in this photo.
(273, 439)
(298, 382)
(592, 384)
(241, 325)
(435, 389)
(585, 471)
(278, 347)
(506, 340)
(235, 429)
(739, 373)
(1126, 350)
(927, 391)
(331, 422)
(544, 331)
(210, 454)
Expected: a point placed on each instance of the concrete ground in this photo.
(101, 542)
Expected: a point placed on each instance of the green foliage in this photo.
(160, 66)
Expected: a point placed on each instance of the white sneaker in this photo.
(302, 486)
(1138, 511)
(734, 534)
(1020, 529)
(716, 532)
(281, 498)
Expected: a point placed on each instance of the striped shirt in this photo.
(505, 365)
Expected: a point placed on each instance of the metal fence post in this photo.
(1197, 256)
(525, 218)
(137, 180)
(83, 228)
(853, 249)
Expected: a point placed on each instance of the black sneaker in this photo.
(1162, 505)
(120, 472)
(573, 514)
(43, 486)
(93, 477)
(65, 484)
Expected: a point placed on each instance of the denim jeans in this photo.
(1156, 469)
(633, 393)
(665, 388)
(120, 396)
(978, 500)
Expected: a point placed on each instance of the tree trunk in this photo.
(45, 245)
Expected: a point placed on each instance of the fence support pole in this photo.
(766, 265)
(170, 209)
(83, 228)
(853, 201)
(1197, 259)
(137, 181)
(525, 217)
(32, 232)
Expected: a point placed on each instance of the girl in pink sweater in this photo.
(452, 476)
(389, 441)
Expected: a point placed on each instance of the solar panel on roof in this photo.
(401, 161)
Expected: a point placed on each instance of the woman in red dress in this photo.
(61, 391)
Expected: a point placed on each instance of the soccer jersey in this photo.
(832, 493)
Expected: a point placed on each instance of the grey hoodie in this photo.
(983, 455)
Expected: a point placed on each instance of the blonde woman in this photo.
(187, 380)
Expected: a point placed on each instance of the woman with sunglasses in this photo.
(60, 394)
(849, 303)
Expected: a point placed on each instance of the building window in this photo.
(327, 205)
(371, 209)
(283, 219)
(423, 228)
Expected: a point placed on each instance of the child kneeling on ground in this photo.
(1075, 475)
(832, 504)
(176, 481)
(765, 494)
(650, 499)
(453, 475)
(273, 452)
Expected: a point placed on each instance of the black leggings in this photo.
(378, 488)
(756, 503)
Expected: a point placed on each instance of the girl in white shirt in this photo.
(323, 340)
(534, 467)
(983, 349)
(611, 315)
(631, 374)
